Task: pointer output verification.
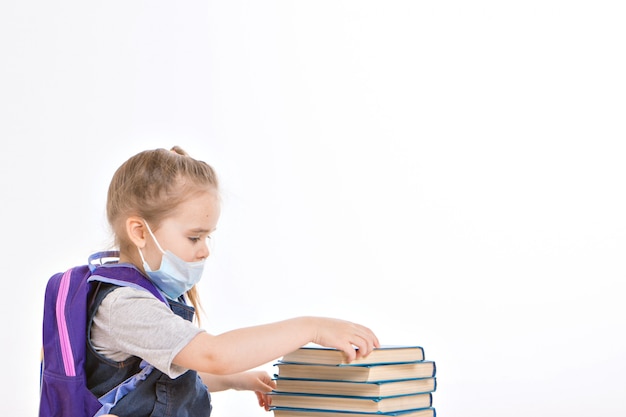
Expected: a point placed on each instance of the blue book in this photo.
(358, 373)
(351, 403)
(303, 412)
(316, 354)
(351, 388)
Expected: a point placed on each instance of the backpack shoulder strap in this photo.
(122, 275)
(126, 277)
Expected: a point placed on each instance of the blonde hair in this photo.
(151, 185)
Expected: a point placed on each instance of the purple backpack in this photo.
(64, 391)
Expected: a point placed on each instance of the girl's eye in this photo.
(195, 239)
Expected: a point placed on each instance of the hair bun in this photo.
(178, 150)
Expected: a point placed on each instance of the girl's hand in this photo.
(344, 335)
(258, 381)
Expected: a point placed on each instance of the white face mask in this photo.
(175, 276)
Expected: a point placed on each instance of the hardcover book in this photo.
(358, 373)
(330, 356)
(350, 388)
(345, 403)
(302, 412)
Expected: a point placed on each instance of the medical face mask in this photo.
(175, 276)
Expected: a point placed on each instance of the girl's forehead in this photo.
(201, 211)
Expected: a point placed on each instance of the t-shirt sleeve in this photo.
(132, 322)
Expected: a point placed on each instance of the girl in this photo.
(162, 207)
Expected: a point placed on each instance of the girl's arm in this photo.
(239, 350)
(258, 381)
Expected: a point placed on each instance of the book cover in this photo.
(358, 373)
(345, 403)
(303, 412)
(350, 388)
(329, 356)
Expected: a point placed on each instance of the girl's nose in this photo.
(205, 251)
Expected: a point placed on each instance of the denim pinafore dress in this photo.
(155, 394)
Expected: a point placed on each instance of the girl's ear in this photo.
(136, 231)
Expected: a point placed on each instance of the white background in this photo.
(449, 173)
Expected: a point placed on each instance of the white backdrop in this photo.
(449, 173)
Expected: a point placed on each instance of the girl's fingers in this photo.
(265, 400)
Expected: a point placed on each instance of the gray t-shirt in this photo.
(131, 322)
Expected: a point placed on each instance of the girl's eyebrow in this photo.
(201, 230)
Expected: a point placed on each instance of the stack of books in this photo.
(316, 381)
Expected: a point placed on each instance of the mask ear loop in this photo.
(153, 237)
(141, 256)
(155, 241)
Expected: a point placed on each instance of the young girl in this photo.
(163, 206)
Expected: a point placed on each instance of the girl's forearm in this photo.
(215, 383)
(246, 348)
(249, 347)
(257, 380)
